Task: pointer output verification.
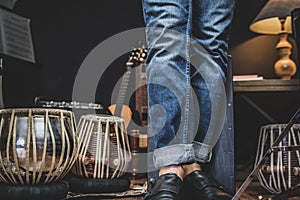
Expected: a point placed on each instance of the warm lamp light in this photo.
(275, 18)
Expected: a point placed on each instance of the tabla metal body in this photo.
(282, 170)
(38, 146)
(104, 150)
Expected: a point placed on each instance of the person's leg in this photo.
(168, 30)
(210, 35)
(168, 25)
(211, 28)
(172, 110)
(211, 25)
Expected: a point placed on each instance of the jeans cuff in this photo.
(173, 155)
(203, 152)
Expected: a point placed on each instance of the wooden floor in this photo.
(104, 198)
(255, 191)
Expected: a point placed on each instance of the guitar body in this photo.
(126, 113)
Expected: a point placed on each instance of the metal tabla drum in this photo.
(282, 170)
(38, 146)
(104, 151)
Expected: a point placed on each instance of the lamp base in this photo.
(284, 67)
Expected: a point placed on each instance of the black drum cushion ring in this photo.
(52, 191)
(84, 185)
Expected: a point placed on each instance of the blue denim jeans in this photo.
(186, 68)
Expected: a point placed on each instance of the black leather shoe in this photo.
(197, 184)
(166, 187)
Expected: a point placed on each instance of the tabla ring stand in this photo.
(295, 118)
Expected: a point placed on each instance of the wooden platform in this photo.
(256, 191)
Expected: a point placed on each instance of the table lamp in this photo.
(275, 18)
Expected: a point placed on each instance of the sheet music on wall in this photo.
(16, 37)
(8, 3)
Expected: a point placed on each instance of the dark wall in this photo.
(65, 32)
(21, 82)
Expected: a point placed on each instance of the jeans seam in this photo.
(188, 80)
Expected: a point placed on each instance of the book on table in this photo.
(251, 77)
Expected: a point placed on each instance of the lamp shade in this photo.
(268, 20)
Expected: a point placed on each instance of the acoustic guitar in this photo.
(136, 57)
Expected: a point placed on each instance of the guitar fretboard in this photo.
(137, 56)
(122, 92)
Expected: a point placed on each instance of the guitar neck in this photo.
(137, 56)
(122, 92)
